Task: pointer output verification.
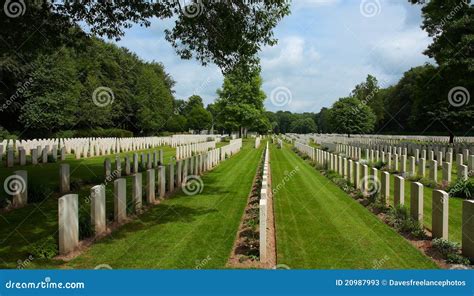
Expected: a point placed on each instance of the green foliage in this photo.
(240, 102)
(197, 117)
(5, 135)
(303, 126)
(367, 92)
(351, 116)
(104, 132)
(378, 205)
(462, 188)
(400, 219)
(445, 247)
(45, 248)
(91, 88)
(457, 259)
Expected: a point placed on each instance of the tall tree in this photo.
(367, 93)
(240, 102)
(350, 116)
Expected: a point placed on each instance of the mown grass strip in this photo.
(319, 226)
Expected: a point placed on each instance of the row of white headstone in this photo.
(107, 143)
(359, 175)
(398, 161)
(390, 139)
(33, 156)
(178, 174)
(431, 152)
(263, 206)
(24, 152)
(233, 147)
(184, 151)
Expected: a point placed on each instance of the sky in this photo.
(325, 48)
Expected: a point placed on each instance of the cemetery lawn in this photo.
(85, 169)
(20, 228)
(183, 231)
(319, 226)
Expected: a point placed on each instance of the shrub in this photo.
(400, 219)
(45, 248)
(379, 204)
(445, 247)
(457, 259)
(462, 188)
(65, 134)
(4, 135)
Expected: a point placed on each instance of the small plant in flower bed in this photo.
(343, 184)
(253, 211)
(249, 249)
(445, 247)
(450, 251)
(254, 199)
(399, 218)
(378, 205)
(331, 175)
(462, 189)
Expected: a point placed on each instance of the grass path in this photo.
(184, 231)
(320, 226)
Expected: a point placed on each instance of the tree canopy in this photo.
(239, 105)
